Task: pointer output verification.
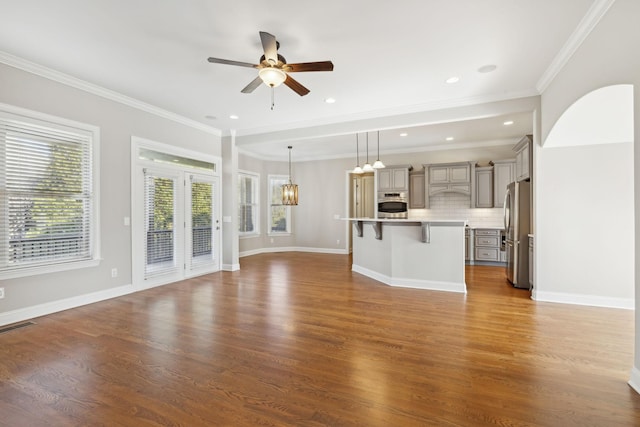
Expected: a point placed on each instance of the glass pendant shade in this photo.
(272, 77)
(290, 190)
(358, 170)
(378, 165)
(290, 194)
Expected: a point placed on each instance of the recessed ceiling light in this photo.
(210, 117)
(487, 68)
(234, 117)
(449, 138)
(508, 123)
(330, 100)
(453, 79)
(404, 134)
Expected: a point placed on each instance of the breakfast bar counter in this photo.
(415, 253)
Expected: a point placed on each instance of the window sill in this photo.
(52, 268)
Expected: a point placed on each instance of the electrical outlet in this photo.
(114, 272)
(1, 293)
(272, 240)
(338, 242)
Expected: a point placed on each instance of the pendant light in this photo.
(357, 169)
(290, 190)
(367, 166)
(378, 164)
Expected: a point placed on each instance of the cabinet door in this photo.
(416, 191)
(400, 179)
(384, 179)
(438, 175)
(484, 188)
(503, 175)
(459, 173)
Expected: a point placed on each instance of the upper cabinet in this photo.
(484, 187)
(524, 158)
(503, 174)
(393, 178)
(416, 190)
(451, 177)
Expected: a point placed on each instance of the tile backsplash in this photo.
(456, 206)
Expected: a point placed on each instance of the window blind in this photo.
(46, 193)
(159, 194)
(201, 222)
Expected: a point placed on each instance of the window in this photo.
(249, 204)
(279, 214)
(47, 193)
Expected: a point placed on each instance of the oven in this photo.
(393, 205)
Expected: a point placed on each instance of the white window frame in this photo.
(255, 177)
(280, 179)
(54, 122)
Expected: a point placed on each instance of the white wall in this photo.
(585, 214)
(607, 57)
(117, 123)
(592, 184)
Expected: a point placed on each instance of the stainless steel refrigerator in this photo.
(516, 225)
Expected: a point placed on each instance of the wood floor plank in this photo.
(296, 339)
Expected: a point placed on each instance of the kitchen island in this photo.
(415, 253)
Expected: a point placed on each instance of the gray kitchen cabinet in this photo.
(530, 262)
(524, 158)
(449, 178)
(484, 187)
(487, 245)
(467, 241)
(416, 190)
(393, 178)
(503, 175)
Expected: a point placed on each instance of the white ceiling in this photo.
(390, 58)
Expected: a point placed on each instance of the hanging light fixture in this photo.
(378, 164)
(357, 169)
(367, 166)
(290, 190)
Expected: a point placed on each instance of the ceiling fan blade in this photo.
(229, 62)
(309, 66)
(270, 47)
(297, 87)
(252, 86)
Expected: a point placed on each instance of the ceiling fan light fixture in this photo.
(272, 77)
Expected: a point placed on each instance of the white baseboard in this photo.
(230, 267)
(577, 299)
(293, 249)
(431, 285)
(63, 304)
(634, 381)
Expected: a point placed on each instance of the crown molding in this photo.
(595, 13)
(57, 76)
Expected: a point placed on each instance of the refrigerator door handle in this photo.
(507, 210)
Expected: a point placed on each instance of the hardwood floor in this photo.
(297, 339)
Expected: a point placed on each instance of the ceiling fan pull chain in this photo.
(273, 102)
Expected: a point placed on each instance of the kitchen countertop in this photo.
(460, 222)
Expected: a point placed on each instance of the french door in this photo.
(176, 226)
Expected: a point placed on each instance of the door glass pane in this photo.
(159, 224)
(201, 222)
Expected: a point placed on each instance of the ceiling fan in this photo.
(273, 68)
